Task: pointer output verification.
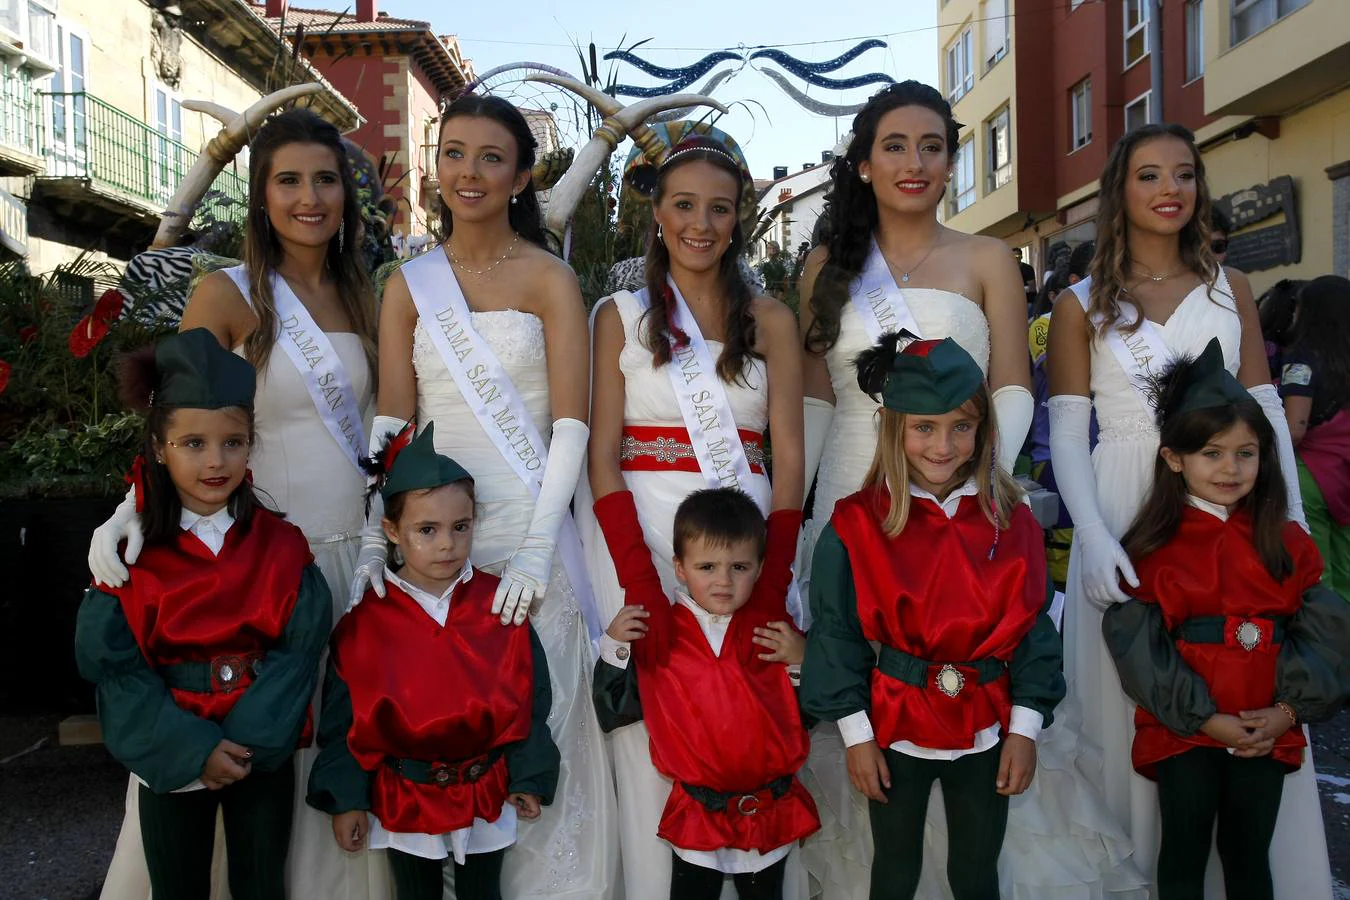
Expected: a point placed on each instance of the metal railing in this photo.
(20, 119)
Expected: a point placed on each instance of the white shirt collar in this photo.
(436, 607)
(1218, 510)
(210, 530)
(953, 502)
(713, 625)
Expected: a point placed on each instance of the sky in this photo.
(771, 128)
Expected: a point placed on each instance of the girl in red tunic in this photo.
(1230, 642)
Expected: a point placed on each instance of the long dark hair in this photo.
(525, 216)
(1276, 308)
(851, 206)
(739, 345)
(263, 252)
(1188, 432)
(1111, 260)
(1322, 330)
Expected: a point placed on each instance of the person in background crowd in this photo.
(1315, 385)
(1277, 307)
(1220, 226)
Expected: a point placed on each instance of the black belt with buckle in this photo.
(445, 774)
(746, 803)
(219, 675)
(1247, 630)
(913, 671)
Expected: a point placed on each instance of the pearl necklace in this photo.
(481, 272)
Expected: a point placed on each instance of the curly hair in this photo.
(659, 335)
(1111, 260)
(851, 215)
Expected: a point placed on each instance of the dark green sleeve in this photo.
(1313, 671)
(837, 672)
(270, 717)
(533, 763)
(1037, 667)
(615, 692)
(143, 728)
(337, 783)
(1152, 671)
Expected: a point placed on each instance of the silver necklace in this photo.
(904, 276)
(1157, 277)
(481, 272)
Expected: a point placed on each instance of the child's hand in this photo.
(527, 805)
(1227, 730)
(228, 763)
(350, 829)
(1270, 724)
(867, 770)
(628, 626)
(787, 643)
(1016, 765)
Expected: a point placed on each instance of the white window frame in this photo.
(1195, 40)
(1277, 9)
(963, 195)
(1139, 28)
(996, 175)
(70, 143)
(1080, 114)
(163, 180)
(962, 82)
(1141, 99)
(994, 14)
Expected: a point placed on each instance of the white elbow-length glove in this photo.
(1102, 555)
(1269, 398)
(124, 525)
(817, 415)
(1014, 408)
(374, 553)
(527, 573)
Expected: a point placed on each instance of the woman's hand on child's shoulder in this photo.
(787, 644)
(527, 805)
(867, 770)
(1016, 765)
(228, 763)
(350, 829)
(628, 625)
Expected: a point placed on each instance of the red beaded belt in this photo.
(658, 448)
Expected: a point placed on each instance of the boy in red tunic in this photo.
(936, 560)
(434, 730)
(206, 658)
(722, 715)
(1231, 640)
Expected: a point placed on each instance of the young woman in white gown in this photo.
(694, 286)
(889, 264)
(299, 263)
(1153, 260)
(516, 312)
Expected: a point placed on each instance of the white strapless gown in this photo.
(1123, 462)
(1061, 841)
(301, 471)
(571, 851)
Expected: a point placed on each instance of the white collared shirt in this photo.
(480, 837)
(210, 530)
(857, 727)
(1217, 510)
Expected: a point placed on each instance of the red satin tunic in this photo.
(934, 593)
(437, 694)
(1211, 568)
(719, 723)
(185, 604)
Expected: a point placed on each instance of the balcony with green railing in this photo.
(123, 162)
(20, 124)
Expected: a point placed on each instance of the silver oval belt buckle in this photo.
(747, 804)
(950, 681)
(1249, 635)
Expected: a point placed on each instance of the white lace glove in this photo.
(817, 415)
(374, 553)
(527, 572)
(1101, 554)
(124, 524)
(1014, 408)
(1269, 398)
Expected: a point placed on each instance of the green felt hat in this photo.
(930, 378)
(1206, 382)
(193, 371)
(412, 463)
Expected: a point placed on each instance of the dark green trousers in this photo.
(179, 832)
(976, 819)
(1208, 783)
(419, 878)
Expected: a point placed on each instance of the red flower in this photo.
(28, 333)
(95, 326)
(5, 369)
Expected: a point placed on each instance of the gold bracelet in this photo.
(1288, 711)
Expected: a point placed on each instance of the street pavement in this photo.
(60, 808)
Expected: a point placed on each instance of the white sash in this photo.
(879, 300)
(320, 367)
(1141, 354)
(703, 402)
(495, 403)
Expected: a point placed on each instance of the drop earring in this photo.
(514, 198)
(342, 235)
(659, 236)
